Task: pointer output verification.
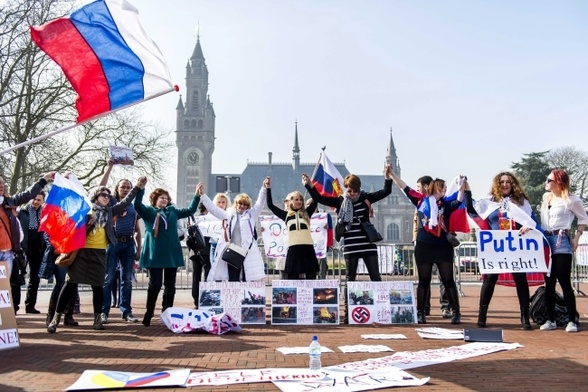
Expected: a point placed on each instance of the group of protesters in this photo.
(114, 242)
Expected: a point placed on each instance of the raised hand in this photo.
(141, 182)
(200, 189)
(267, 183)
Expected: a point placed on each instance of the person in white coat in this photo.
(240, 227)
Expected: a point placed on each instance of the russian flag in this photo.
(106, 56)
(458, 220)
(64, 215)
(326, 178)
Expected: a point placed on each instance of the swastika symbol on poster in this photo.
(360, 315)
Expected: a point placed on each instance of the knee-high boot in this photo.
(52, 327)
(168, 300)
(454, 303)
(50, 313)
(422, 295)
(68, 319)
(482, 313)
(525, 323)
(150, 307)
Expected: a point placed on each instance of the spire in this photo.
(296, 149)
(197, 54)
(391, 156)
(180, 104)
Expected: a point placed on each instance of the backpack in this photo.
(538, 311)
(194, 239)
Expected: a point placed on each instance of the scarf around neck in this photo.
(346, 211)
(100, 217)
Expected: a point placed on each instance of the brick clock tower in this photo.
(194, 130)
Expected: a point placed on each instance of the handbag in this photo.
(339, 230)
(195, 240)
(371, 232)
(368, 227)
(452, 239)
(66, 259)
(234, 254)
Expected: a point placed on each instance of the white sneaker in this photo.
(104, 318)
(548, 326)
(572, 327)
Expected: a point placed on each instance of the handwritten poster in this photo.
(507, 251)
(381, 302)
(243, 301)
(305, 302)
(8, 331)
(275, 235)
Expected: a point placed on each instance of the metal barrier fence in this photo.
(396, 263)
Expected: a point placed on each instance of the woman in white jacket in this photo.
(240, 222)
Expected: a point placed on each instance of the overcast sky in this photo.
(467, 86)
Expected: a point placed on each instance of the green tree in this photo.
(532, 170)
(35, 99)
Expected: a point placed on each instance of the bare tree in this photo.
(35, 99)
(575, 162)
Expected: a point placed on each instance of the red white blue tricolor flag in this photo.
(326, 178)
(64, 214)
(106, 56)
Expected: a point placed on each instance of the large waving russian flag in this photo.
(326, 178)
(64, 214)
(458, 220)
(106, 56)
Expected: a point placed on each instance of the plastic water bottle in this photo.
(314, 353)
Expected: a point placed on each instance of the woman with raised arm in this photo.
(300, 258)
(240, 230)
(162, 252)
(558, 211)
(507, 208)
(432, 245)
(353, 209)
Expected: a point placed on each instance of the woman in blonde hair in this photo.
(558, 211)
(240, 224)
(301, 258)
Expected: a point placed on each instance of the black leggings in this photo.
(490, 282)
(561, 271)
(69, 291)
(445, 269)
(371, 263)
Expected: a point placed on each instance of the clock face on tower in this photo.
(193, 158)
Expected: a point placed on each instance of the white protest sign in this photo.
(507, 251)
(381, 302)
(209, 226)
(275, 235)
(305, 302)
(8, 331)
(111, 379)
(244, 301)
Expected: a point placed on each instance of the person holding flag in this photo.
(352, 210)
(432, 241)
(507, 208)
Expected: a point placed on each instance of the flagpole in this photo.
(317, 163)
(70, 126)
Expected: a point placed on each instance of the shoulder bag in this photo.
(234, 254)
(66, 259)
(368, 227)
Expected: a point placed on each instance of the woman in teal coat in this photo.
(161, 253)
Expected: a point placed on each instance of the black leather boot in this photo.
(150, 307)
(52, 327)
(422, 295)
(50, 313)
(68, 319)
(525, 323)
(454, 303)
(482, 313)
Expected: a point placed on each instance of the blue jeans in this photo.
(123, 252)
(8, 256)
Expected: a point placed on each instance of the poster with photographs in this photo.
(305, 302)
(244, 301)
(381, 302)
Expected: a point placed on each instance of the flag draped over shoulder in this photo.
(64, 215)
(326, 178)
(458, 220)
(106, 56)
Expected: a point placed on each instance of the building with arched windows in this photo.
(195, 140)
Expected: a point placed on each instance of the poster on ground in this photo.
(305, 302)
(243, 301)
(381, 302)
(111, 379)
(8, 332)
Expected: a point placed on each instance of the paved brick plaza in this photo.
(549, 361)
